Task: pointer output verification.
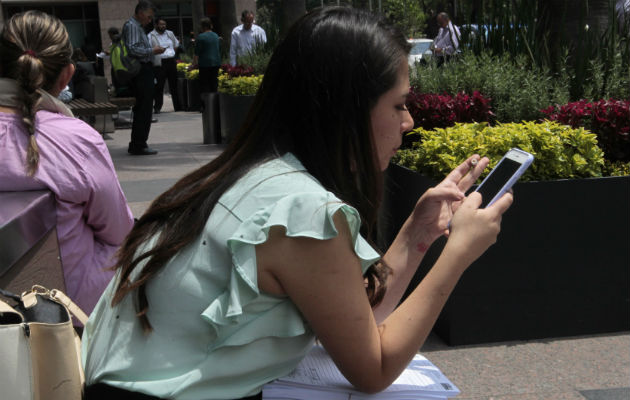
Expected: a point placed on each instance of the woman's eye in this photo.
(401, 107)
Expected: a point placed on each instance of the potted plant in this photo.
(236, 95)
(561, 265)
(193, 99)
(182, 86)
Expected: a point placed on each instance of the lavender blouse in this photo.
(92, 213)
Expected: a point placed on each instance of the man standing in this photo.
(164, 65)
(139, 47)
(245, 36)
(446, 43)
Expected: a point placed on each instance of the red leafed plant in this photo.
(237, 70)
(431, 111)
(608, 119)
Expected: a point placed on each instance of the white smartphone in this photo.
(504, 175)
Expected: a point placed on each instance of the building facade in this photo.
(87, 21)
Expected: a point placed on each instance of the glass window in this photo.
(76, 32)
(90, 11)
(172, 24)
(68, 12)
(187, 26)
(167, 9)
(185, 8)
(46, 9)
(12, 10)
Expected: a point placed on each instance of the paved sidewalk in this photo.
(591, 367)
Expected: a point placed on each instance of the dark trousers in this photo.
(441, 60)
(142, 87)
(101, 391)
(168, 70)
(208, 79)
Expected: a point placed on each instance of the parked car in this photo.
(421, 51)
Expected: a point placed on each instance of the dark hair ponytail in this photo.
(35, 47)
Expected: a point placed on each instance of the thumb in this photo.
(472, 201)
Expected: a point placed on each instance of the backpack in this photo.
(124, 66)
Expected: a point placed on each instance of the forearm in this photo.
(404, 332)
(403, 257)
(139, 50)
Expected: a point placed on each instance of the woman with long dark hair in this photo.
(227, 279)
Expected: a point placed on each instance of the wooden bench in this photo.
(84, 108)
(123, 103)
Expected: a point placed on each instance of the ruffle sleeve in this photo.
(302, 215)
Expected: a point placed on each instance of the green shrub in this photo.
(560, 151)
(517, 91)
(240, 85)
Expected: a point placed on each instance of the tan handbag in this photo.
(40, 355)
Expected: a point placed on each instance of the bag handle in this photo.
(70, 305)
(29, 299)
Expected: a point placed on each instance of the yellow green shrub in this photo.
(560, 152)
(182, 67)
(240, 85)
(192, 74)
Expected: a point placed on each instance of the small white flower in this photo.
(586, 27)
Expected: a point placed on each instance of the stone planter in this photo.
(182, 92)
(560, 267)
(193, 95)
(232, 111)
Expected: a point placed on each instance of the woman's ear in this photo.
(64, 78)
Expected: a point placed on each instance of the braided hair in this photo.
(34, 49)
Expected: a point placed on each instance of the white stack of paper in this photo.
(317, 378)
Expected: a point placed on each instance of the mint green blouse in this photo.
(215, 334)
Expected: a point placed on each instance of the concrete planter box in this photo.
(561, 266)
(232, 111)
(182, 92)
(193, 95)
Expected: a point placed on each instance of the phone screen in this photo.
(495, 181)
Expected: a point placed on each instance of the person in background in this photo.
(245, 36)
(142, 85)
(228, 278)
(81, 83)
(44, 147)
(65, 95)
(207, 57)
(446, 43)
(119, 90)
(164, 65)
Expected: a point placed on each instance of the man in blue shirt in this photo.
(139, 46)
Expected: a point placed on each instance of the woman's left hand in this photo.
(434, 210)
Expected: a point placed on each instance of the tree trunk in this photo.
(197, 14)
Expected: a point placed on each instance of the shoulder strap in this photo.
(70, 305)
(171, 36)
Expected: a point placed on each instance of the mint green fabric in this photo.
(216, 335)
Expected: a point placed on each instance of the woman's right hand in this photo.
(474, 229)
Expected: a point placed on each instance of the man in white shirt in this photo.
(446, 43)
(164, 65)
(245, 36)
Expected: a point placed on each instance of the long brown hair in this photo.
(34, 48)
(314, 101)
